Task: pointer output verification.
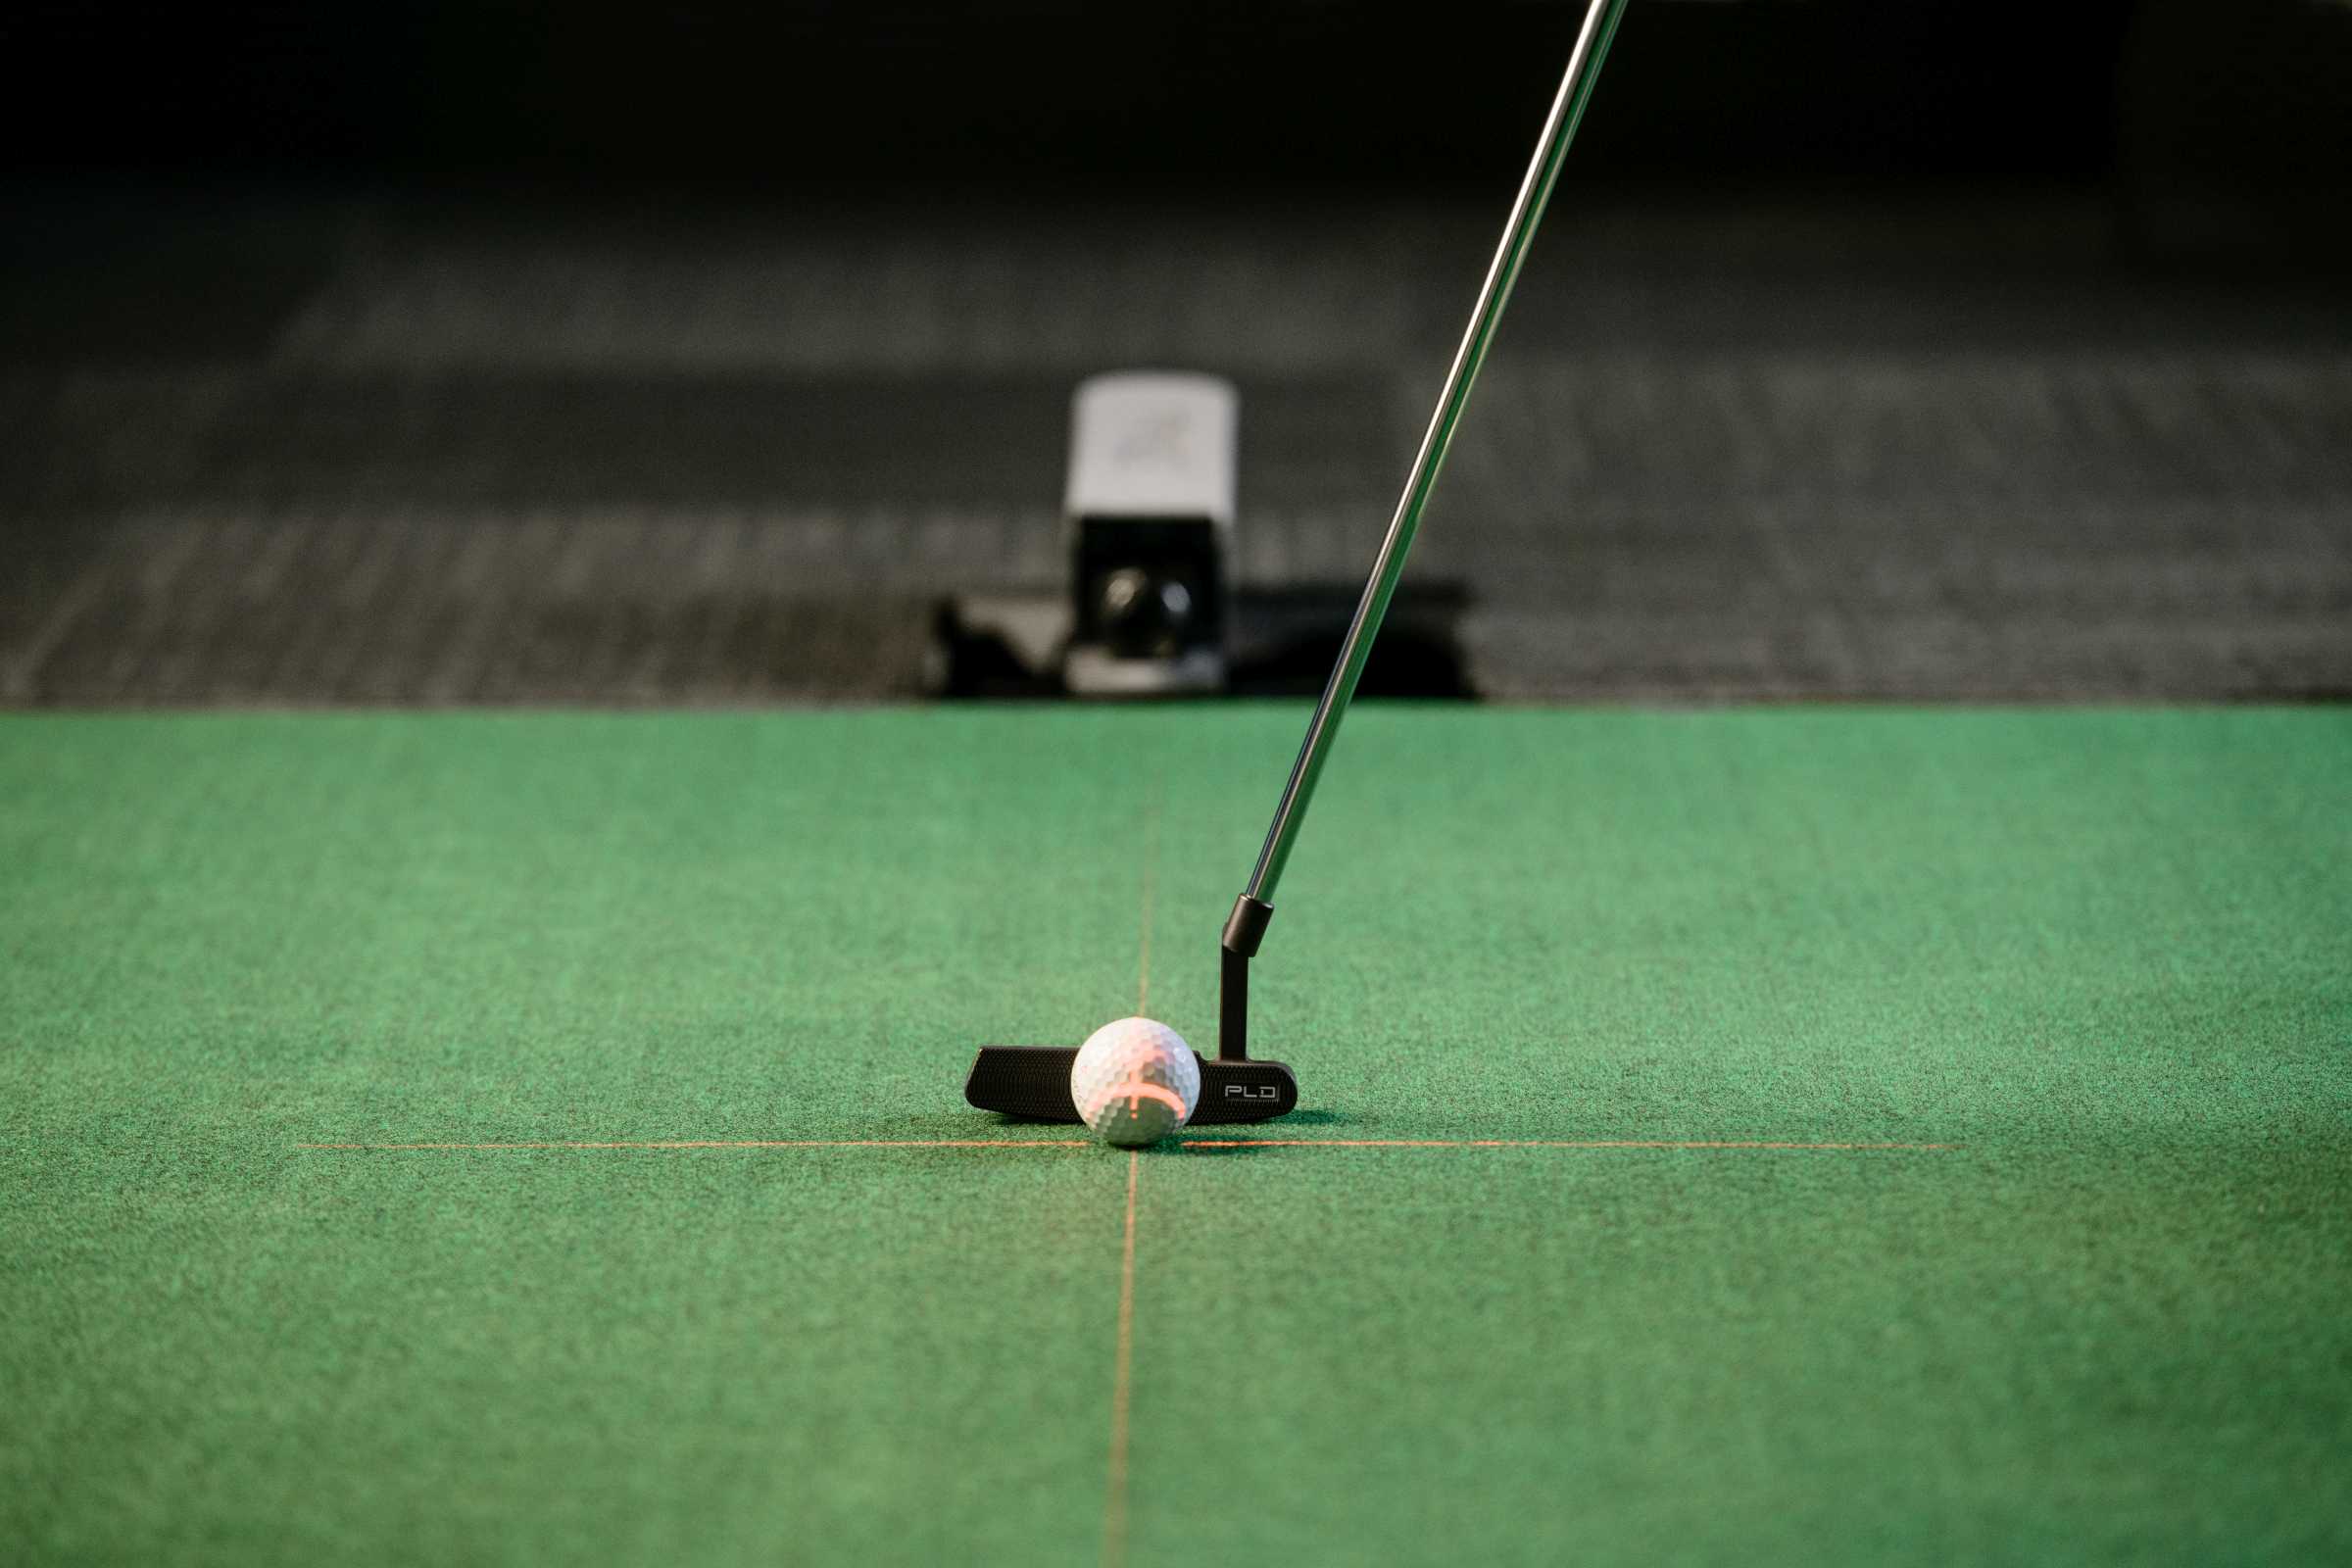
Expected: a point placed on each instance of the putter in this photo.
(1034, 1081)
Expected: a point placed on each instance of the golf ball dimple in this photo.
(1135, 1081)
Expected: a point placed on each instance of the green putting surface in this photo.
(1494, 1294)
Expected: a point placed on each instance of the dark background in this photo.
(689, 354)
(778, 95)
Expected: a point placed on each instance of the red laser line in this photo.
(1115, 1504)
(1143, 964)
(1532, 1143)
(802, 1143)
(1084, 1143)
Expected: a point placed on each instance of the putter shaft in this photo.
(1518, 237)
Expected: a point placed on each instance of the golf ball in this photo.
(1135, 1081)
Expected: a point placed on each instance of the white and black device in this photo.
(1148, 511)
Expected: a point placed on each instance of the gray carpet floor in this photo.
(306, 450)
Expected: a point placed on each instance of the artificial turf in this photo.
(2102, 960)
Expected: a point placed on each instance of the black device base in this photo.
(1277, 642)
(1033, 1082)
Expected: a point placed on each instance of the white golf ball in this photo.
(1135, 1081)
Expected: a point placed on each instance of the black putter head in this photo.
(1034, 1081)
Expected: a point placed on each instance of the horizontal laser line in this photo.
(1538, 1142)
(796, 1142)
(1187, 1143)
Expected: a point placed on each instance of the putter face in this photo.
(1033, 1082)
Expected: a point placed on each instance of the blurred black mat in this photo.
(311, 451)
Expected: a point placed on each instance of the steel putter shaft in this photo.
(1034, 1081)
